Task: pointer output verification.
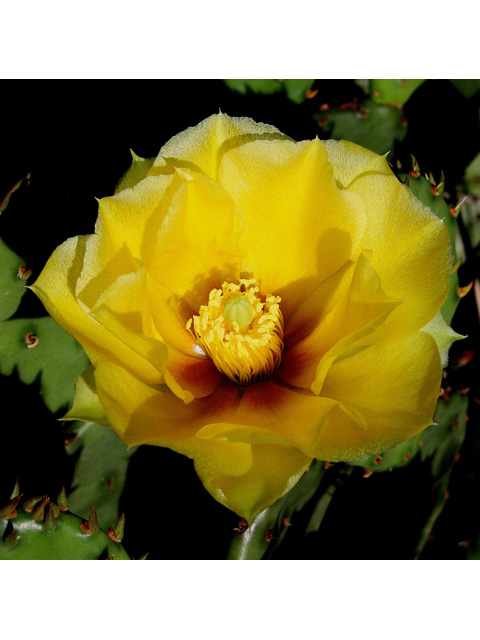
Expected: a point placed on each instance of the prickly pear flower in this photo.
(254, 303)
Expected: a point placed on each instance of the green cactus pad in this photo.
(373, 126)
(60, 538)
(295, 89)
(35, 346)
(100, 470)
(399, 456)
(395, 92)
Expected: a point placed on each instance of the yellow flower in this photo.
(254, 303)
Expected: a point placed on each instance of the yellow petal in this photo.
(153, 352)
(137, 171)
(86, 403)
(123, 229)
(443, 335)
(198, 377)
(126, 224)
(269, 413)
(103, 264)
(56, 286)
(128, 299)
(170, 314)
(275, 470)
(299, 227)
(357, 320)
(410, 245)
(202, 147)
(131, 308)
(394, 386)
(187, 362)
(125, 216)
(316, 307)
(195, 249)
(141, 414)
(350, 161)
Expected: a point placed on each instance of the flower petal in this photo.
(410, 245)
(316, 307)
(128, 299)
(142, 414)
(269, 413)
(443, 335)
(275, 470)
(128, 308)
(103, 264)
(124, 217)
(187, 362)
(202, 147)
(299, 227)
(357, 320)
(195, 247)
(152, 351)
(86, 403)
(350, 161)
(56, 286)
(394, 386)
(412, 249)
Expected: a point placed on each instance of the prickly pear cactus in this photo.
(43, 530)
(416, 500)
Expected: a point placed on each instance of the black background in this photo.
(74, 138)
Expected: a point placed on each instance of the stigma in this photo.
(240, 331)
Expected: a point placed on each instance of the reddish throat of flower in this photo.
(241, 332)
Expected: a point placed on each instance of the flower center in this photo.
(242, 334)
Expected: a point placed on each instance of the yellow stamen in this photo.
(242, 334)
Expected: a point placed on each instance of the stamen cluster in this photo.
(248, 353)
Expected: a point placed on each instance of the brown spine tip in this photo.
(462, 291)
(415, 172)
(62, 502)
(116, 534)
(93, 522)
(9, 510)
(5, 200)
(16, 490)
(39, 512)
(50, 522)
(29, 505)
